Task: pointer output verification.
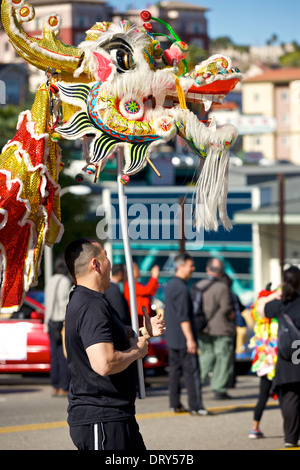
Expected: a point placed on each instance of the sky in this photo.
(250, 22)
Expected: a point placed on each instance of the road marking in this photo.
(33, 427)
(213, 410)
(139, 417)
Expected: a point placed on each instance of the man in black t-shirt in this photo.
(181, 338)
(101, 352)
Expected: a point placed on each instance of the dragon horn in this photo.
(43, 53)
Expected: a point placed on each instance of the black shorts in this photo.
(114, 435)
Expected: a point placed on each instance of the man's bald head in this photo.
(215, 267)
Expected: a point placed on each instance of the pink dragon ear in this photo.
(105, 67)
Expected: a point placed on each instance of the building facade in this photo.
(270, 251)
(274, 94)
(13, 83)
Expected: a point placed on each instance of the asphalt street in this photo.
(31, 419)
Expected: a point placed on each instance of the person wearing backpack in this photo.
(285, 306)
(216, 333)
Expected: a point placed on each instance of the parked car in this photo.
(156, 360)
(24, 345)
(235, 161)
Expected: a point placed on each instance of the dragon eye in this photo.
(120, 52)
(124, 59)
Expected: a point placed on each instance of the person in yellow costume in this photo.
(264, 358)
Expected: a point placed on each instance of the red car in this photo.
(24, 345)
(157, 357)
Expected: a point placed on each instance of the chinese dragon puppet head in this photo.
(118, 88)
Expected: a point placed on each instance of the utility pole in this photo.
(181, 228)
(281, 228)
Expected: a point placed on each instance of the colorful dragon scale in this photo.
(114, 89)
(29, 202)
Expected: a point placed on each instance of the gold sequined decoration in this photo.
(33, 174)
(42, 53)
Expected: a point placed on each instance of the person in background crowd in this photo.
(143, 293)
(216, 341)
(56, 298)
(264, 344)
(114, 295)
(181, 338)
(287, 373)
(238, 308)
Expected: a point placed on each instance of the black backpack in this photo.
(287, 334)
(199, 315)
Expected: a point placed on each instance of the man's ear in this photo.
(95, 264)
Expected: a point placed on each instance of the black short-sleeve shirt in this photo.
(94, 398)
(178, 309)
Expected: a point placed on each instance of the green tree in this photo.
(272, 40)
(196, 55)
(8, 119)
(222, 42)
(76, 217)
(291, 59)
(225, 42)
